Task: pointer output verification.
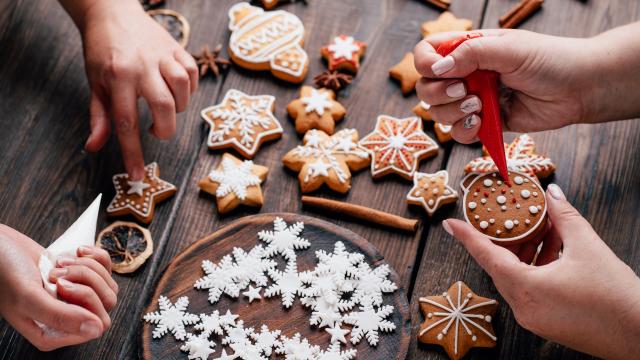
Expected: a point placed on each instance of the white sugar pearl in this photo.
(518, 180)
(527, 221)
(516, 222)
(525, 194)
(484, 224)
(508, 224)
(498, 232)
(430, 202)
(477, 217)
(499, 182)
(503, 207)
(493, 189)
(435, 191)
(533, 209)
(492, 220)
(501, 199)
(483, 200)
(472, 205)
(488, 182)
(517, 206)
(535, 193)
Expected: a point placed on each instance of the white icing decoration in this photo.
(234, 178)
(518, 180)
(498, 232)
(533, 209)
(527, 221)
(525, 194)
(508, 224)
(476, 217)
(487, 182)
(516, 222)
(518, 206)
(253, 293)
(343, 47)
(286, 283)
(472, 205)
(198, 346)
(294, 348)
(368, 321)
(137, 187)
(432, 205)
(503, 207)
(171, 317)
(337, 334)
(484, 224)
(218, 279)
(317, 101)
(333, 353)
(483, 200)
(492, 221)
(535, 193)
(283, 240)
(501, 199)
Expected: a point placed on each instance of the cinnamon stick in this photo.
(519, 13)
(362, 212)
(440, 4)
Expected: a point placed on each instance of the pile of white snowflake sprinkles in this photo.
(341, 289)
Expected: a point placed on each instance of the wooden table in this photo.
(46, 179)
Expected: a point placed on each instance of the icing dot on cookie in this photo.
(440, 336)
(503, 207)
(492, 220)
(493, 189)
(488, 182)
(501, 199)
(518, 180)
(430, 202)
(533, 209)
(516, 222)
(435, 191)
(430, 315)
(535, 193)
(498, 232)
(499, 182)
(525, 194)
(474, 338)
(484, 201)
(517, 206)
(487, 318)
(511, 191)
(508, 224)
(418, 192)
(484, 224)
(526, 180)
(475, 194)
(477, 217)
(472, 205)
(527, 221)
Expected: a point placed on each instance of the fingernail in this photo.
(443, 65)
(65, 283)
(90, 329)
(555, 192)
(65, 261)
(471, 105)
(58, 272)
(447, 227)
(84, 250)
(471, 121)
(456, 90)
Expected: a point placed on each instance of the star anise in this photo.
(333, 80)
(210, 60)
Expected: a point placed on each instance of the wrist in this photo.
(86, 12)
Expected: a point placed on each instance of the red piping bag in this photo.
(484, 84)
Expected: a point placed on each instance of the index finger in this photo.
(125, 114)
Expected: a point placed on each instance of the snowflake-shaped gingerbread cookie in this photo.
(171, 317)
(283, 240)
(219, 279)
(242, 122)
(397, 146)
(324, 159)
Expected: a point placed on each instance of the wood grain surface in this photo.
(46, 179)
(180, 275)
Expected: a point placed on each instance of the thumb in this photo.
(496, 260)
(565, 219)
(495, 51)
(100, 126)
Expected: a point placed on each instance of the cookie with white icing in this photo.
(431, 191)
(324, 159)
(506, 213)
(316, 109)
(344, 53)
(443, 132)
(268, 40)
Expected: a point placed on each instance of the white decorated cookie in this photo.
(431, 191)
(268, 40)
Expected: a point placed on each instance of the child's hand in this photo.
(586, 299)
(548, 79)
(85, 289)
(128, 55)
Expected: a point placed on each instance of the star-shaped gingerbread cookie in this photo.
(316, 109)
(235, 182)
(139, 198)
(443, 132)
(521, 157)
(445, 22)
(324, 159)
(457, 320)
(431, 191)
(242, 122)
(405, 72)
(397, 146)
(344, 53)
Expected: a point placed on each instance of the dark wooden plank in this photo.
(185, 269)
(597, 168)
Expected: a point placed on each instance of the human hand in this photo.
(85, 288)
(586, 298)
(546, 77)
(127, 55)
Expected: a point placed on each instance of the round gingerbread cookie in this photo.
(506, 214)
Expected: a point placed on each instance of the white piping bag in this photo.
(82, 232)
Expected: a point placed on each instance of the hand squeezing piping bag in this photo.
(484, 84)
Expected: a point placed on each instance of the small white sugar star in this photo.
(224, 356)
(344, 47)
(337, 334)
(137, 187)
(253, 293)
(228, 318)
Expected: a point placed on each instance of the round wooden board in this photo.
(178, 279)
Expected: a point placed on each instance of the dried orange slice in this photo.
(128, 244)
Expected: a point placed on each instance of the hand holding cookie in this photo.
(576, 274)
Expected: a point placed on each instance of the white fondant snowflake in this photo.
(212, 324)
(341, 262)
(267, 340)
(251, 266)
(238, 334)
(225, 356)
(323, 281)
(343, 47)
(234, 178)
(333, 353)
(171, 317)
(247, 351)
(368, 321)
(283, 240)
(371, 284)
(325, 311)
(287, 283)
(198, 346)
(317, 101)
(296, 348)
(219, 279)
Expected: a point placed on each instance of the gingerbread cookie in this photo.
(324, 159)
(175, 24)
(521, 156)
(405, 72)
(316, 109)
(445, 22)
(506, 214)
(443, 132)
(431, 191)
(139, 198)
(457, 320)
(397, 146)
(344, 53)
(270, 40)
(242, 122)
(235, 182)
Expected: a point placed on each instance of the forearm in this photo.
(82, 11)
(615, 75)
